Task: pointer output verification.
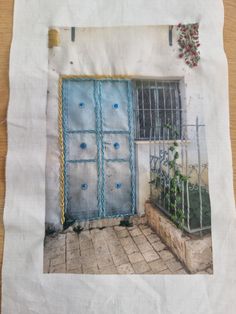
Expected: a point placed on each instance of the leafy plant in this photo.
(50, 230)
(171, 190)
(178, 218)
(126, 222)
(68, 222)
(78, 229)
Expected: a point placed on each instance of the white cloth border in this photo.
(25, 288)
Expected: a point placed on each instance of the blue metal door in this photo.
(99, 169)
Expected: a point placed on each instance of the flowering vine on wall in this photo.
(188, 41)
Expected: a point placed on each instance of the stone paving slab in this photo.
(125, 269)
(141, 267)
(135, 258)
(120, 259)
(150, 256)
(110, 250)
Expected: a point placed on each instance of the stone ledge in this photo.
(196, 254)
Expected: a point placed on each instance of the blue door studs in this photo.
(99, 158)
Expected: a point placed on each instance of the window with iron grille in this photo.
(158, 110)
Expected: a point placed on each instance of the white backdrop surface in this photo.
(25, 288)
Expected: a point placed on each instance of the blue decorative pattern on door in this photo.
(99, 157)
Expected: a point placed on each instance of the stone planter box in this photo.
(196, 254)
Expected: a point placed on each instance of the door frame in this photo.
(62, 177)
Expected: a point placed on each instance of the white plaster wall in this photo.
(141, 52)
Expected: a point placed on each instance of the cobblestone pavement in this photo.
(111, 250)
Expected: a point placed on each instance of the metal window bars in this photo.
(179, 175)
(156, 100)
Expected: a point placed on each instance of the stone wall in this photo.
(195, 253)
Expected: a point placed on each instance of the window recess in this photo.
(158, 109)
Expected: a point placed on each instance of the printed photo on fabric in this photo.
(127, 188)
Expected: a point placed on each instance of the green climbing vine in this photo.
(173, 191)
(174, 181)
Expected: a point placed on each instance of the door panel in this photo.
(82, 146)
(116, 146)
(81, 105)
(114, 102)
(118, 188)
(82, 190)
